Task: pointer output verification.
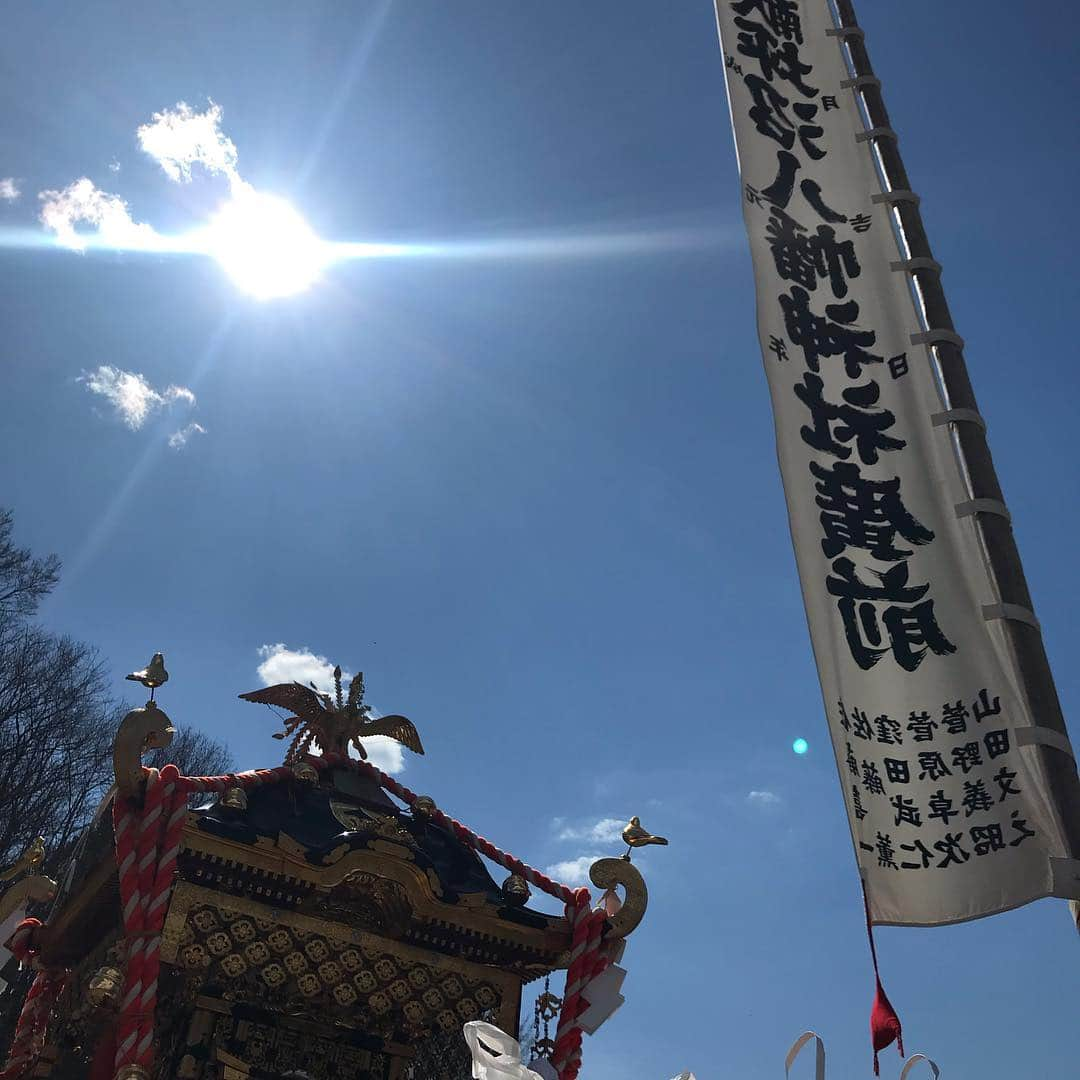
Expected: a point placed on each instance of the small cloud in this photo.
(573, 872)
(179, 439)
(114, 166)
(281, 664)
(764, 799)
(132, 396)
(180, 137)
(385, 753)
(605, 831)
(9, 189)
(82, 203)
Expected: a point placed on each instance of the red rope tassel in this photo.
(885, 1027)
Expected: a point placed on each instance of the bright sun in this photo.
(265, 246)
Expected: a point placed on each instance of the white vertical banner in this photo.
(948, 802)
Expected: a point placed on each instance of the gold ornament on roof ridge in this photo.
(335, 722)
(153, 675)
(27, 862)
(634, 836)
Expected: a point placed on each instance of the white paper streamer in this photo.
(796, 1048)
(914, 1060)
(504, 1063)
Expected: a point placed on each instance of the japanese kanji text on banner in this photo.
(946, 795)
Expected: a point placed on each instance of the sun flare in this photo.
(265, 246)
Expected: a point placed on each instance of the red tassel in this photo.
(885, 1025)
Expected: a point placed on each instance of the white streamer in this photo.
(796, 1047)
(502, 1061)
(914, 1060)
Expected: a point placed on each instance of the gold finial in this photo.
(235, 798)
(27, 862)
(305, 772)
(153, 675)
(334, 721)
(105, 987)
(623, 917)
(142, 729)
(635, 836)
(132, 1072)
(516, 890)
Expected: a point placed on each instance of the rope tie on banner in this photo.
(877, 133)
(983, 506)
(860, 81)
(148, 841)
(920, 262)
(796, 1049)
(894, 195)
(940, 336)
(844, 32)
(958, 416)
(1013, 612)
(885, 1027)
(1044, 736)
(30, 1028)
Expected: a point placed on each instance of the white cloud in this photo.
(604, 831)
(9, 189)
(82, 203)
(282, 664)
(180, 137)
(114, 166)
(385, 753)
(572, 872)
(179, 439)
(764, 799)
(131, 395)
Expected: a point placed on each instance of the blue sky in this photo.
(525, 480)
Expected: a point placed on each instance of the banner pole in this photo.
(1002, 557)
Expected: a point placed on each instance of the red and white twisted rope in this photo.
(29, 1039)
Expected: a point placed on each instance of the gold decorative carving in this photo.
(334, 724)
(366, 902)
(635, 835)
(142, 729)
(434, 882)
(325, 961)
(105, 987)
(606, 874)
(419, 885)
(29, 860)
(235, 798)
(36, 887)
(516, 890)
(395, 851)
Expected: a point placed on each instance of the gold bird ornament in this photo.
(634, 836)
(153, 675)
(334, 722)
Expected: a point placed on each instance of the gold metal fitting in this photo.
(424, 806)
(305, 772)
(131, 1072)
(516, 890)
(105, 987)
(235, 798)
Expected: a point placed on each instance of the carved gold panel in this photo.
(333, 971)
